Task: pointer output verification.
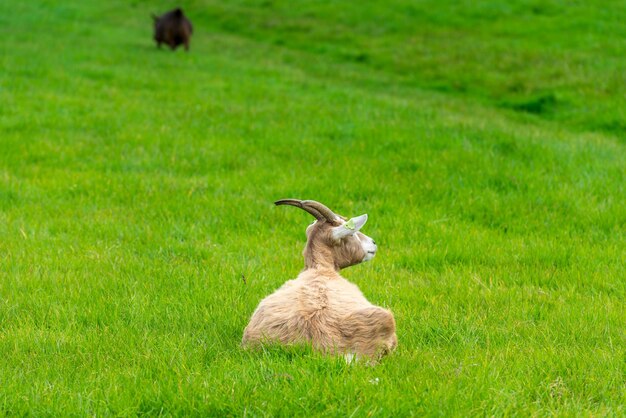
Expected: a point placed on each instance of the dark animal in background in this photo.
(173, 29)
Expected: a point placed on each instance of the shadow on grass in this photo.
(543, 104)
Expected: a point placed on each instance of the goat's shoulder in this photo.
(335, 288)
(343, 284)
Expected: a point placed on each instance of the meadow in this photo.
(486, 141)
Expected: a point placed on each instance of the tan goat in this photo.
(321, 307)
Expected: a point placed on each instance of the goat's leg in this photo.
(369, 332)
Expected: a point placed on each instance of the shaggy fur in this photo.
(323, 308)
(172, 29)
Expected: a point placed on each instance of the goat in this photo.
(320, 307)
(173, 29)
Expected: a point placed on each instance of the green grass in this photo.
(485, 140)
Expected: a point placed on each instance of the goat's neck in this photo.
(319, 259)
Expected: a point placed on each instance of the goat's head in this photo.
(332, 240)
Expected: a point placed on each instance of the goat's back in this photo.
(319, 307)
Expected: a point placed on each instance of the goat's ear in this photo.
(350, 227)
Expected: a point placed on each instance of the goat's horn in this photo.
(321, 212)
(322, 209)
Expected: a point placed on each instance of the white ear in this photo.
(350, 227)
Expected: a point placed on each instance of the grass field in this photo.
(486, 141)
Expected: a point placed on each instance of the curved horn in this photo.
(321, 212)
(322, 209)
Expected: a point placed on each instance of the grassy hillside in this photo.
(137, 231)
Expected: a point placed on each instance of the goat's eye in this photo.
(373, 242)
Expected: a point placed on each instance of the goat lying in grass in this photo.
(320, 306)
